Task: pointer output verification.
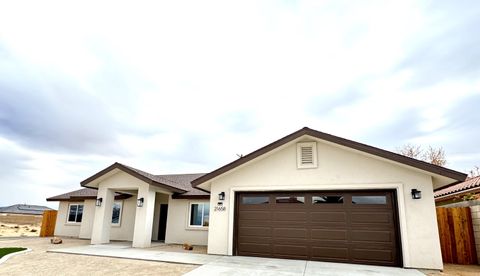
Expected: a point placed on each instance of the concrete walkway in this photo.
(235, 265)
(120, 250)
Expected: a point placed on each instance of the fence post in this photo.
(48, 223)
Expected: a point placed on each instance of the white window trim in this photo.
(314, 156)
(118, 224)
(76, 214)
(196, 227)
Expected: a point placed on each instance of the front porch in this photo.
(139, 220)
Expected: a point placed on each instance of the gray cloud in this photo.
(464, 119)
(397, 132)
(54, 115)
(451, 53)
(324, 104)
(52, 111)
(12, 162)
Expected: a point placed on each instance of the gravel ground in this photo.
(39, 262)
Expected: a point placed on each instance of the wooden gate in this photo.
(48, 223)
(456, 235)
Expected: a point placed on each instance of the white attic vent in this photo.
(307, 155)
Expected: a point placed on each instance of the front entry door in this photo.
(162, 226)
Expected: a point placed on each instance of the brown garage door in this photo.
(352, 227)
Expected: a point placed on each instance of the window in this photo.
(369, 199)
(290, 199)
(327, 199)
(75, 213)
(307, 155)
(117, 212)
(199, 214)
(249, 200)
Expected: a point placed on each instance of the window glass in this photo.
(206, 214)
(199, 214)
(327, 199)
(73, 213)
(290, 199)
(369, 199)
(79, 213)
(255, 200)
(117, 210)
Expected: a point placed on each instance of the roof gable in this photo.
(428, 167)
(156, 180)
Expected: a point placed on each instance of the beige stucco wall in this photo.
(87, 219)
(177, 229)
(83, 230)
(338, 168)
(124, 232)
(62, 228)
(177, 224)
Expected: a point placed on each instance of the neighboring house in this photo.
(464, 191)
(24, 209)
(309, 195)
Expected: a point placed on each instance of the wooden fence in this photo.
(456, 235)
(48, 223)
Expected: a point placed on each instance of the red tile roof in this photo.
(470, 183)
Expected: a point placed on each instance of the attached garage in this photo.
(314, 196)
(339, 226)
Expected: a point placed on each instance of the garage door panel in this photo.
(329, 229)
(377, 236)
(373, 255)
(327, 216)
(328, 234)
(332, 253)
(284, 249)
(255, 239)
(255, 248)
(290, 232)
(255, 215)
(289, 216)
(371, 217)
(256, 231)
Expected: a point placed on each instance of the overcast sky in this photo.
(183, 87)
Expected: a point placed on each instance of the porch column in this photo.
(103, 217)
(142, 232)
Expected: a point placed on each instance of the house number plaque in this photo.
(219, 208)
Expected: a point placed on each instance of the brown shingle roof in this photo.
(82, 194)
(145, 176)
(470, 183)
(179, 184)
(186, 181)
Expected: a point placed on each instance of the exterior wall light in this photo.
(221, 196)
(98, 203)
(140, 202)
(416, 194)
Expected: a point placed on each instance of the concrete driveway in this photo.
(234, 265)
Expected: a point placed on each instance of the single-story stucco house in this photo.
(309, 195)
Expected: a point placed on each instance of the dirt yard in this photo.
(39, 262)
(18, 230)
(456, 270)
